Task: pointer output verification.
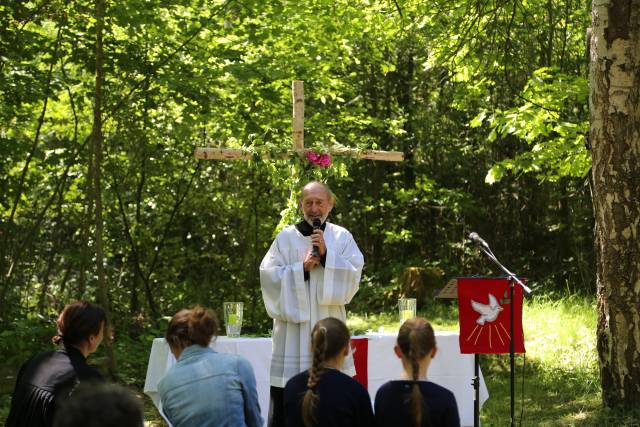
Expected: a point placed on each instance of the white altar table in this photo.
(449, 368)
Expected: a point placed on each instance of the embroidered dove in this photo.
(488, 312)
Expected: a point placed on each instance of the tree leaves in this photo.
(556, 145)
(470, 92)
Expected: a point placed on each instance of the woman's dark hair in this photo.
(329, 337)
(99, 405)
(416, 339)
(190, 326)
(78, 321)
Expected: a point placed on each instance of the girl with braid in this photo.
(323, 396)
(413, 401)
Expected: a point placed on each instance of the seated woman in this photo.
(413, 401)
(46, 380)
(206, 388)
(324, 396)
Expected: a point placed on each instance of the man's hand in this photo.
(317, 239)
(310, 262)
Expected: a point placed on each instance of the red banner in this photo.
(360, 352)
(484, 310)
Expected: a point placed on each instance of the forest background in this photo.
(488, 100)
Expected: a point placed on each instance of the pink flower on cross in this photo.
(321, 160)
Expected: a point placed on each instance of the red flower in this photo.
(321, 160)
(312, 156)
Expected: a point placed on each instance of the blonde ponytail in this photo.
(416, 340)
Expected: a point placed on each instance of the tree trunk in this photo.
(615, 144)
(97, 138)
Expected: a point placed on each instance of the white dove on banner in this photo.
(488, 312)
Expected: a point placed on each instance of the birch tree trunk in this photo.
(615, 145)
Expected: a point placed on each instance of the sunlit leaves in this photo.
(452, 84)
(551, 120)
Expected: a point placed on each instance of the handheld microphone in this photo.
(315, 251)
(475, 238)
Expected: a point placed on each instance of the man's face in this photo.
(316, 203)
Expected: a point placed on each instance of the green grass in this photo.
(561, 382)
(561, 385)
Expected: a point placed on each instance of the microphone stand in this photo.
(513, 279)
(476, 390)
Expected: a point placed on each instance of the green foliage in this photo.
(132, 355)
(23, 338)
(407, 75)
(374, 297)
(552, 120)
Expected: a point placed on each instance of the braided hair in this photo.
(416, 340)
(329, 337)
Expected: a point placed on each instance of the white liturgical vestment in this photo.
(296, 305)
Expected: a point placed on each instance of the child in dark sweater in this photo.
(324, 396)
(413, 401)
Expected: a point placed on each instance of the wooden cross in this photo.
(222, 153)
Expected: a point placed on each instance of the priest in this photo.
(310, 272)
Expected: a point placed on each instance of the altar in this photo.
(449, 368)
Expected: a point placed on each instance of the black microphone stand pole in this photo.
(513, 279)
(476, 390)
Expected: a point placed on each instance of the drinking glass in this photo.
(233, 318)
(407, 309)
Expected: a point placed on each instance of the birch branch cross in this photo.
(222, 153)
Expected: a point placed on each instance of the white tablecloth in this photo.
(449, 368)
